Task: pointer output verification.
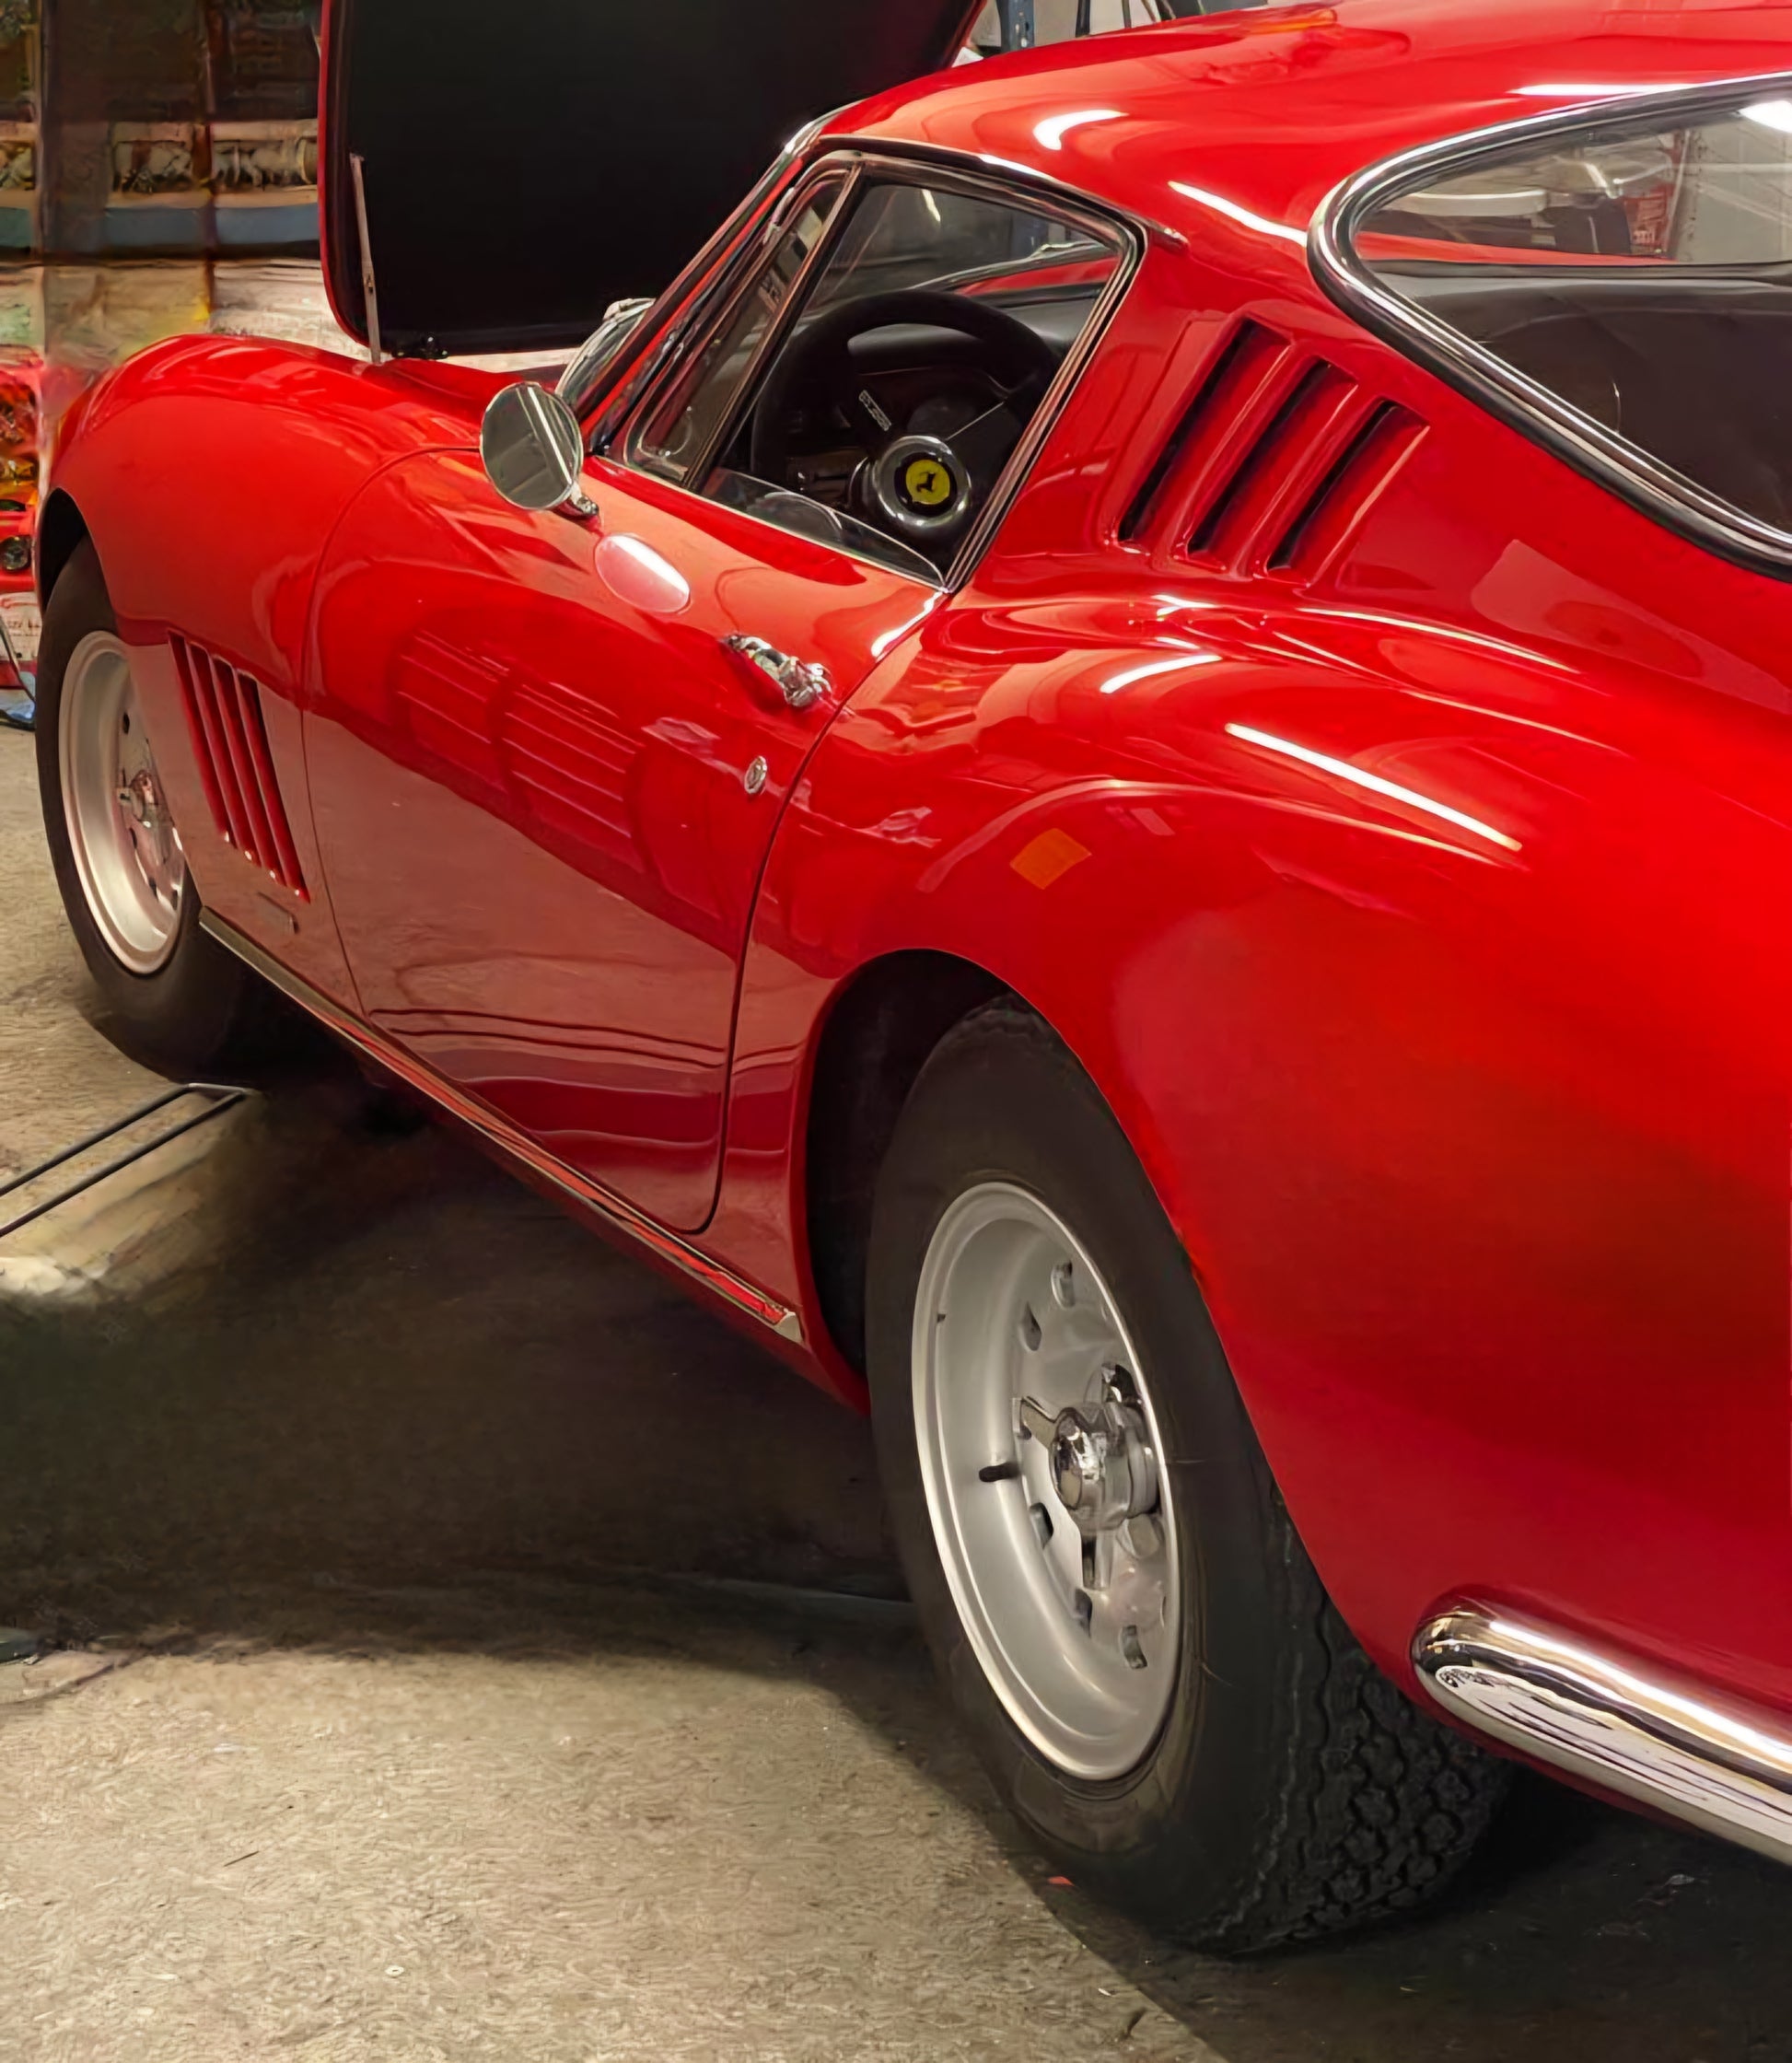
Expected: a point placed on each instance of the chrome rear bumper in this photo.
(1626, 1726)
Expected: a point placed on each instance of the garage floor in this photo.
(467, 1649)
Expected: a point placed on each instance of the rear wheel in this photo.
(173, 996)
(1111, 1586)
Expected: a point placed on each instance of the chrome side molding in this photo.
(515, 1145)
(1627, 1726)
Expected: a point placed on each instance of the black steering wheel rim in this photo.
(1028, 356)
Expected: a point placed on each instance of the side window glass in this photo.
(881, 413)
(1642, 273)
(679, 429)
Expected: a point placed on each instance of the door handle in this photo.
(802, 682)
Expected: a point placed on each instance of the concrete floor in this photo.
(468, 1648)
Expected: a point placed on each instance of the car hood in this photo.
(524, 166)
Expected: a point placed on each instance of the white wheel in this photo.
(1113, 1588)
(1038, 1446)
(170, 995)
(127, 851)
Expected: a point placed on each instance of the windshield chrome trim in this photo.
(1658, 490)
(686, 295)
(613, 438)
(790, 204)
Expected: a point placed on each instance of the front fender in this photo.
(210, 473)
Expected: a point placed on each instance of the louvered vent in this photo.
(235, 768)
(1274, 462)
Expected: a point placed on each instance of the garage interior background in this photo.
(159, 174)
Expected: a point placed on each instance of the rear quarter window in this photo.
(1631, 278)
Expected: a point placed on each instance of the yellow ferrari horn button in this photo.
(927, 483)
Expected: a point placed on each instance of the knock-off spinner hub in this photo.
(1102, 1466)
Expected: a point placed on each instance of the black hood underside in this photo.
(526, 164)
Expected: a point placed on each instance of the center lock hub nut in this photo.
(1102, 1466)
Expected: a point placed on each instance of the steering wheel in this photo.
(922, 487)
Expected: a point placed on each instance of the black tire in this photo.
(1293, 1790)
(202, 1009)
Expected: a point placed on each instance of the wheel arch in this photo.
(62, 531)
(871, 1044)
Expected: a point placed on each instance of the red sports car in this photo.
(1122, 772)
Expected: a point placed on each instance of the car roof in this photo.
(1238, 125)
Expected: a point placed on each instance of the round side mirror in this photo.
(532, 447)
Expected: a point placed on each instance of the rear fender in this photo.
(1465, 1092)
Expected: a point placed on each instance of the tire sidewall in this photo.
(1001, 1101)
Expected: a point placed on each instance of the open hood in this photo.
(526, 162)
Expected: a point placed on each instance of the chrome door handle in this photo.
(800, 681)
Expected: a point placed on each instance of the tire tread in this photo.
(1380, 1805)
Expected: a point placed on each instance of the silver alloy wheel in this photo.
(1038, 1453)
(127, 853)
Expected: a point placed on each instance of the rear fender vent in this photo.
(1355, 481)
(1248, 381)
(235, 767)
(1273, 464)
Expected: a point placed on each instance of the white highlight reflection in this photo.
(1358, 777)
(1051, 132)
(1600, 89)
(1135, 673)
(1233, 212)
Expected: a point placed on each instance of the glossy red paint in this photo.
(210, 473)
(544, 791)
(1231, 130)
(1423, 914)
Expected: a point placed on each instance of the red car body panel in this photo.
(289, 437)
(544, 724)
(1421, 906)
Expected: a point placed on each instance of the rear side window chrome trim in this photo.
(1658, 490)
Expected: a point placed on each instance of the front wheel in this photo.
(1111, 1584)
(174, 997)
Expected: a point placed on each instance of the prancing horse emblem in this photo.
(926, 482)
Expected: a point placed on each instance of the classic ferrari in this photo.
(1121, 773)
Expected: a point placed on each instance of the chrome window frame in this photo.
(681, 305)
(716, 300)
(628, 446)
(1611, 461)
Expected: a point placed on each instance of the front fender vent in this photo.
(235, 767)
(1273, 464)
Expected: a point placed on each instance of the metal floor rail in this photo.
(217, 1097)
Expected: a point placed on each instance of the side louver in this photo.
(235, 768)
(1274, 463)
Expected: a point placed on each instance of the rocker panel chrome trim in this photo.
(1626, 1726)
(512, 1142)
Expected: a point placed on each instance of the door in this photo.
(546, 780)
(544, 788)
